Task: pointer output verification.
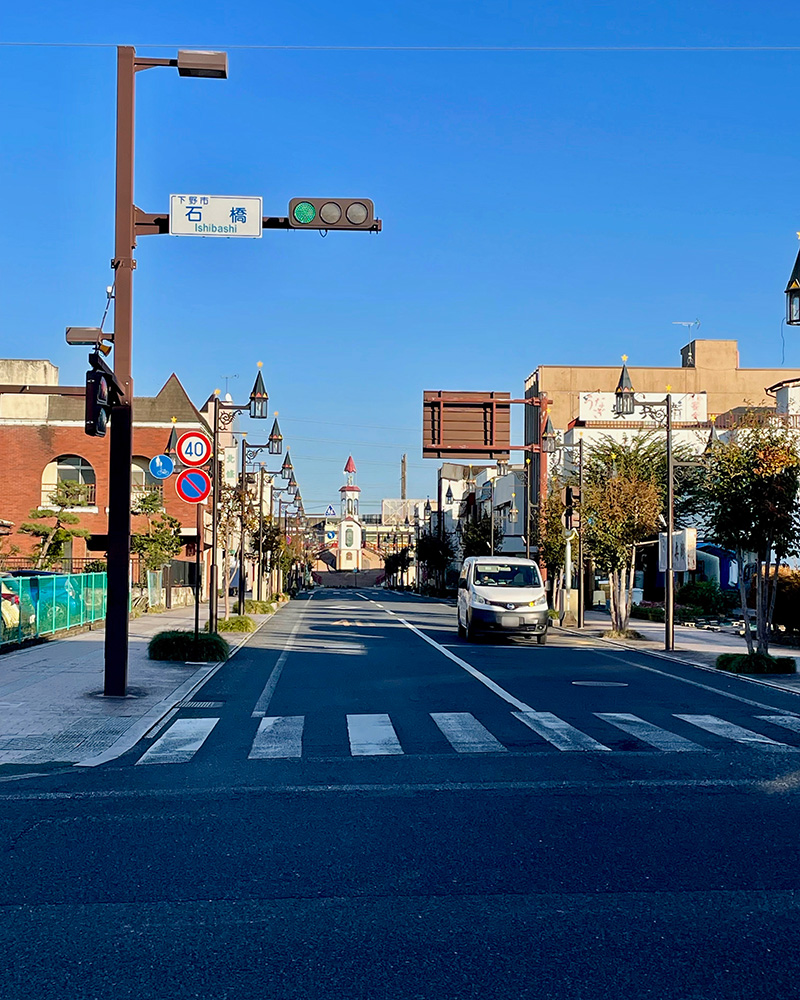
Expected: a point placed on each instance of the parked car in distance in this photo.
(504, 593)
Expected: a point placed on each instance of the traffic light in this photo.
(102, 392)
(333, 213)
(569, 505)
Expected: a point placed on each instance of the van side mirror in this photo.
(462, 583)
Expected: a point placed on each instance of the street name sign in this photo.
(193, 448)
(214, 215)
(161, 466)
(229, 464)
(193, 485)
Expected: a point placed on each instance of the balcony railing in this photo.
(88, 494)
(144, 489)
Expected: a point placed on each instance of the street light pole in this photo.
(669, 588)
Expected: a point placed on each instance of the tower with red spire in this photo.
(349, 551)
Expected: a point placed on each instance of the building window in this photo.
(348, 538)
(69, 469)
(142, 479)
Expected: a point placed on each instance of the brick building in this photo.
(42, 442)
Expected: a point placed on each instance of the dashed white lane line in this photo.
(180, 742)
(262, 705)
(372, 735)
(657, 737)
(278, 737)
(732, 732)
(561, 734)
(465, 734)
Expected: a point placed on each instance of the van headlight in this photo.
(477, 599)
(540, 602)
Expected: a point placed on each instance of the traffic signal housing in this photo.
(333, 213)
(102, 392)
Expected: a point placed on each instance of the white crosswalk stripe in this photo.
(657, 737)
(787, 721)
(278, 737)
(465, 734)
(180, 742)
(561, 734)
(372, 735)
(719, 727)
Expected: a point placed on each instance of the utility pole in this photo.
(403, 470)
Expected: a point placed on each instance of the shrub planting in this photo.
(180, 645)
(755, 663)
(236, 623)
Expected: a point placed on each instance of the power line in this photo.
(418, 48)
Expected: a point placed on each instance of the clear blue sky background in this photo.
(538, 207)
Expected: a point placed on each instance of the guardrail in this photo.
(32, 606)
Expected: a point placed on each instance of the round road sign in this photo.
(161, 466)
(193, 448)
(193, 485)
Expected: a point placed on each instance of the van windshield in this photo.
(506, 575)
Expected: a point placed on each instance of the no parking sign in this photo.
(193, 485)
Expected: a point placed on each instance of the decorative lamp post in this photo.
(275, 438)
(624, 405)
(287, 467)
(449, 495)
(549, 438)
(259, 397)
(793, 295)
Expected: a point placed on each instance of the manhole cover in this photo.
(601, 684)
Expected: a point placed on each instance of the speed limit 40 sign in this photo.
(193, 448)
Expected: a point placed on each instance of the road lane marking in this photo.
(262, 705)
(180, 742)
(561, 734)
(466, 734)
(372, 735)
(787, 721)
(684, 680)
(657, 737)
(500, 692)
(278, 737)
(719, 727)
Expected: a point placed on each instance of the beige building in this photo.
(707, 366)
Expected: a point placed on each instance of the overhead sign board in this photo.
(471, 426)
(193, 485)
(214, 215)
(193, 448)
(161, 466)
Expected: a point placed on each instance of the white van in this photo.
(501, 592)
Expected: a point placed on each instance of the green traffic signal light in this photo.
(304, 212)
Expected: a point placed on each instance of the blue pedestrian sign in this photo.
(162, 466)
(330, 512)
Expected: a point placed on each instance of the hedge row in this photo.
(758, 663)
(181, 645)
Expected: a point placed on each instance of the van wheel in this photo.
(469, 631)
(462, 632)
(542, 639)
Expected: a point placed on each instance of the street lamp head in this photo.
(212, 65)
(449, 495)
(623, 394)
(549, 438)
(428, 507)
(275, 439)
(259, 400)
(286, 468)
(793, 295)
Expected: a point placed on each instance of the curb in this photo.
(659, 655)
(167, 706)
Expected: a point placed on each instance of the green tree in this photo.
(161, 542)
(476, 537)
(435, 554)
(751, 492)
(55, 525)
(620, 506)
(395, 564)
(552, 545)
(229, 528)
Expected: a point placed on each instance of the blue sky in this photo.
(538, 207)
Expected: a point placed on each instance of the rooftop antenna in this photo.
(227, 378)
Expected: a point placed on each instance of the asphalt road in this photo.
(361, 805)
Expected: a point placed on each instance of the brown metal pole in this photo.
(243, 514)
(197, 587)
(581, 568)
(215, 488)
(121, 445)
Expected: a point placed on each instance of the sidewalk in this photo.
(694, 646)
(52, 708)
